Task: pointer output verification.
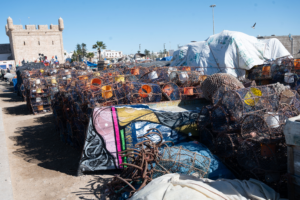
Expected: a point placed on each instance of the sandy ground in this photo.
(42, 167)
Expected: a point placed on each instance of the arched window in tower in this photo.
(39, 43)
(24, 42)
(52, 42)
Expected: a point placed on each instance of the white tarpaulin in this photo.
(228, 52)
(179, 55)
(274, 49)
(178, 187)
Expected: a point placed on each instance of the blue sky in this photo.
(123, 25)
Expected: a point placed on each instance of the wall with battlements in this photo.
(27, 43)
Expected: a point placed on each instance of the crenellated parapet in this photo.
(30, 27)
(9, 27)
(54, 27)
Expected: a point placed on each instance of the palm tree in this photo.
(99, 45)
(165, 51)
(147, 52)
(90, 56)
(75, 56)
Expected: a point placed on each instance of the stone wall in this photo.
(28, 43)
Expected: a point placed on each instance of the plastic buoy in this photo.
(145, 90)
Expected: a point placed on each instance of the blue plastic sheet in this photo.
(169, 58)
(91, 64)
(15, 82)
(217, 169)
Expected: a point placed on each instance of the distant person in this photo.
(56, 63)
(46, 61)
(8, 70)
(52, 60)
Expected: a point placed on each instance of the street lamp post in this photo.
(212, 6)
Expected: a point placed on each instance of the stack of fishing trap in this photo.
(36, 92)
(244, 127)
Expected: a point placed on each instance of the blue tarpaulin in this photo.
(91, 64)
(15, 81)
(169, 58)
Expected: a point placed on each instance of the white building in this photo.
(5, 64)
(111, 54)
(171, 52)
(66, 55)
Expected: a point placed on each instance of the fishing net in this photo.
(182, 161)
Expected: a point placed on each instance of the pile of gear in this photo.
(148, 161)
(71, 91)
(244, 123)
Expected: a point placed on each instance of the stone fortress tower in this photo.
(28, 43)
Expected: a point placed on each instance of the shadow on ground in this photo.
(17, 110)
(40, 144)
(7, 94)
(95, 189)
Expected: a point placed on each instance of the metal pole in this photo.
(212, 6)
(213, 20)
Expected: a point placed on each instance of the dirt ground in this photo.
(41, 166)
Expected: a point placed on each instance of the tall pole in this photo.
(140, 48)
(213, 21)
(212, 6)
